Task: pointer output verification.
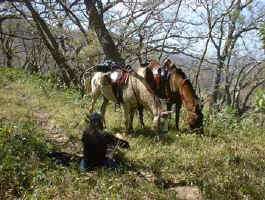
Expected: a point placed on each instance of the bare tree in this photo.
(225, 31)
(96, 22)
(204, 33)
(7, 39)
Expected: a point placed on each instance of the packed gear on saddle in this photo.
(118, 75)
(107, 66)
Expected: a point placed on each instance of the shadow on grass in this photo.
(149, 133)
(151, 174)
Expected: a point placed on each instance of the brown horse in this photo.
(171, 83)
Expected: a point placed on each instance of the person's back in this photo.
(94, 146)
(96, 143)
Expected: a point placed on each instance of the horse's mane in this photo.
(183, 75)
(178, 71)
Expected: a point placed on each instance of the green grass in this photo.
(228, 162)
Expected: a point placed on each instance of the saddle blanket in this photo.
(159, 71)
(116, 75)
(119, 76)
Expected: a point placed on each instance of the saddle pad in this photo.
(124, 78)
(116, 75)
(155, 71)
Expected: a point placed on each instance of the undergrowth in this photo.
(227, 162)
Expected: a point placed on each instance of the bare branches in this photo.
(206, 32)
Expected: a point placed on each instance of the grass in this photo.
(228, 162)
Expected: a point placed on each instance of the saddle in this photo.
(118, 79)
(107, 66)
(116, 75)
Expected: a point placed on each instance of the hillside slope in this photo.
(35, 118)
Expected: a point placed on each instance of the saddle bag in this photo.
(107, 66)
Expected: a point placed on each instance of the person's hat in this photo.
(95, 116)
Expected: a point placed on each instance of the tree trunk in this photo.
(97, 24)
(229, 45)
(68, 74)
(217, 82)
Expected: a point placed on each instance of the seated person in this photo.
(97, 142)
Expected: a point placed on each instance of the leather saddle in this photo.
(117, 79)
(116, 74)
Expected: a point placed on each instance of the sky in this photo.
(251, 39)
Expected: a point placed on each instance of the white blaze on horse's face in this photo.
(164, 120)
(161, 122)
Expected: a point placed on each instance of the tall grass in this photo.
(228, 162)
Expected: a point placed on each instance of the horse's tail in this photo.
(88, 84)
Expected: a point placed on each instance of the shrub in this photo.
(259, 100)
(21, 156)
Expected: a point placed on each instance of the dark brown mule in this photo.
(171, 83)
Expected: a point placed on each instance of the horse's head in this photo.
(153, 64)
(194, 120)
(191, 102)
(168, 64)
(160, 122)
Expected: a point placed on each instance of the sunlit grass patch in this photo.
(227, 162)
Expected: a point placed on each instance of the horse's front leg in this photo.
(132, 112)
(177, 111)
(94, 97)
(103, 110)
(141, 115)
(128, 119)
(169, 106)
